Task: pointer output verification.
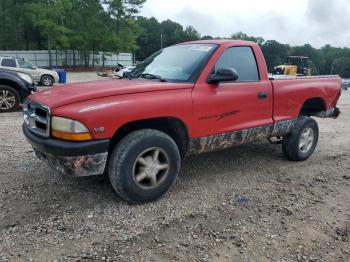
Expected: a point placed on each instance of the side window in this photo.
(8, 62)
(241, 59)
(24, 64)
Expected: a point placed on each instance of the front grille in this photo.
(37, 118)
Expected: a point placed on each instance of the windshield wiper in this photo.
(153, 76)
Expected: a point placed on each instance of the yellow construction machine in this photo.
(295, 66)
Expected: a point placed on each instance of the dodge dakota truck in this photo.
(186, 99)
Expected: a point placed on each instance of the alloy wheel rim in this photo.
(306, 140)
(7, 99)
(151, 168)
(47, 81)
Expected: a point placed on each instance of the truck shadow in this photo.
(50, 193)
(244, 158)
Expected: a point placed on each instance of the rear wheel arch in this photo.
(312, 106)
(171, 126)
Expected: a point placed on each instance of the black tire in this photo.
(123, 162)
(9, 92)
(291, 143)
(47, 80)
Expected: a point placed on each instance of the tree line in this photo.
(116, 26)
(326, 60)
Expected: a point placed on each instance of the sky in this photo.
(317, 22)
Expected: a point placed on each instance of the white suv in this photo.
(42, 76)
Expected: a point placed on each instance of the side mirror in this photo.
(223, 75)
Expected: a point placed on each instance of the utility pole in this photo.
(161, 41)
(332, 67)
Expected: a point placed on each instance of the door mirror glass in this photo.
(223, 75)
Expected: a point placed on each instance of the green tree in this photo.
(122, 13)
(242, 36)
(149, 39)
(49, 18)
(207, 37)
(191, 34)
(155, 35)
(275, 53)
(172, 32)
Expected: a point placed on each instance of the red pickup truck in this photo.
(185, 99)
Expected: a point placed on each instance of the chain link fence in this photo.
(71, 58)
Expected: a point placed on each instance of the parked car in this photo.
(345, 84)
(118, 72)
(186, 99)
(42, 76)
(122, 71)
(14, 88)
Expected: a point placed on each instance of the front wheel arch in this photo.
(172, 126)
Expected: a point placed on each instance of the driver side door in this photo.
(226, 107)
(26, 67)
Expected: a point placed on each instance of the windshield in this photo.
(180, 63)
(25, 64)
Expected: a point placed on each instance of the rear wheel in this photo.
(144, 165)
(9, 99)
(47, 80)
(300, 144)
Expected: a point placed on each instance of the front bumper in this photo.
(27, 91)
(32, 87)
(71, 158)
(56, 78)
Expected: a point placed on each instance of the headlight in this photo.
(69, 129)
(26, 77)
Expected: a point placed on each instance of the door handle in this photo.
(262, 95)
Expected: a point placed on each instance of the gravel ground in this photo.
(244, 204)
(83, 77)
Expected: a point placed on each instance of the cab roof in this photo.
(222, 42)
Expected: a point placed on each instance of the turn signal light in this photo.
(71, 137)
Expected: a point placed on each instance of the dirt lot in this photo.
(244, 204)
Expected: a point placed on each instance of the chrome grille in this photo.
(37, 118)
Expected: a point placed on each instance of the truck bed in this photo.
(292, 92)
(285, 77)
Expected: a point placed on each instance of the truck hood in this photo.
(78, 92)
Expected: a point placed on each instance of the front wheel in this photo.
(9, 99)
(47, 80)
(144, 165)
(300, 144)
